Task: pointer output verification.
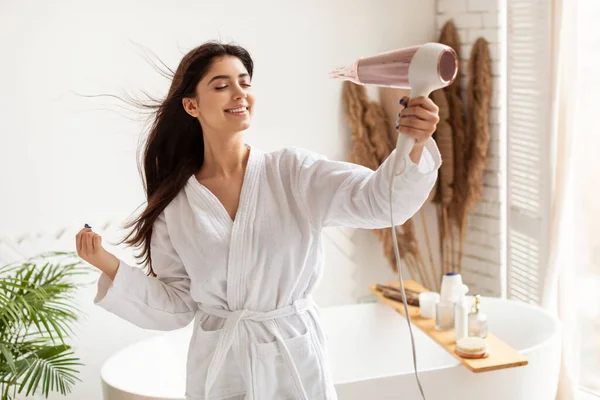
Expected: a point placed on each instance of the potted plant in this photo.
(36, 315)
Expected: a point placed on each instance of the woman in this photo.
(232, 235)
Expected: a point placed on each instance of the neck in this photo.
(223, 158)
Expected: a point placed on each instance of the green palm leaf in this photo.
(49, 368)
(36, 315)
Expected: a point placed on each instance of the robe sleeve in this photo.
(159, 303)
(338, 193)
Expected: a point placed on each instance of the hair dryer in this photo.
(422, 69)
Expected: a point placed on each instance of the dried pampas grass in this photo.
(479, 98)
(479, 93)
(462, 137)
(449, 36)
(356, 103)
(371, 146)
(443, 138)
(468, 132)
(449, 215)
(376, 122)
(445, 182)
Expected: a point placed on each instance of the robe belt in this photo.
(225, 341)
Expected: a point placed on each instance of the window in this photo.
(586, 152)
(528, 92)
(529, 166)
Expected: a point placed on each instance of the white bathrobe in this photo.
(247, 282)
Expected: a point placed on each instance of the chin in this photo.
(237, 126)
(245, 124)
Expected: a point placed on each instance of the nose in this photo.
(239, 92)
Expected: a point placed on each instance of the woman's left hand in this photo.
(419, 118)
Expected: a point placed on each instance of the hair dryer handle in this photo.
(405, 143)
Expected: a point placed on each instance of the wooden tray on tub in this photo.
(501, 354)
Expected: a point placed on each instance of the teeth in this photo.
(237, 110)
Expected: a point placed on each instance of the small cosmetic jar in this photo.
(444, 315)
(427, 302)
(472, 347)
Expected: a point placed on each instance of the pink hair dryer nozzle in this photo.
(422, 69)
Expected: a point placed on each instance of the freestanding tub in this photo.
(371, 358)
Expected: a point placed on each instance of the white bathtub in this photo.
(371, 358)
(380, 366)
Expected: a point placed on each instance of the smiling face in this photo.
(224, 101)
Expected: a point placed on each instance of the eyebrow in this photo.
(227, 77)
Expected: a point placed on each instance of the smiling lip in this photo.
(238, 111)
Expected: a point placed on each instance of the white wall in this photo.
(67, 160)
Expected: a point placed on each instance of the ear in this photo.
(190, 106)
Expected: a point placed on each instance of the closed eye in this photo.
(242, 84)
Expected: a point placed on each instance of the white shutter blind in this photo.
(528, 96)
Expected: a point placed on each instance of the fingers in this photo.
(419, 118)
(97, 242)
(414, 123)
(424, 102)
(87, 242)
(420, 107)
(78, 242)
(92, 246)
(420, 113)
(80, 239)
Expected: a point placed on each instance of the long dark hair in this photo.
(174, 148)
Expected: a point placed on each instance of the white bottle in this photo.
(461, 314)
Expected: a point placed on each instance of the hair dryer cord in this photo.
(399, 267)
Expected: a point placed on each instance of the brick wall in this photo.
(484, 249)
